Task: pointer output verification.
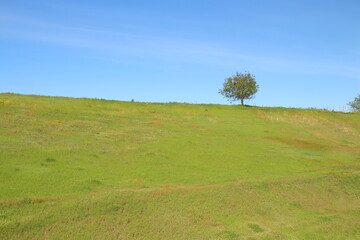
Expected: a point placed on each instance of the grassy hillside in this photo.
(97, 169)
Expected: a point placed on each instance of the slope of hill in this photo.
(96, 169)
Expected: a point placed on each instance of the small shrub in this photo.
(355, 105)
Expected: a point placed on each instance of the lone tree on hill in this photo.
(241, 86)
(355, 105)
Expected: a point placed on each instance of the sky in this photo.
(303, 53)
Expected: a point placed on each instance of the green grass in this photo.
(96, 169)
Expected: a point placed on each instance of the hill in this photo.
(98, 169)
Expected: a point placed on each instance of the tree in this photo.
(241, 86)
(355, 105)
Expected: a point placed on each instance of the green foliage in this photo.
(355, 105)
(241, 86)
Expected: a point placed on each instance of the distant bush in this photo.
(355, 105)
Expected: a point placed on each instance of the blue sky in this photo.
(303, 53)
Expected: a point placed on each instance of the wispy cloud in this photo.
(113, 45)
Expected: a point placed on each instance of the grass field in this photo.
(96, 169)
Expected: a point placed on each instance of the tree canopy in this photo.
(241, 86)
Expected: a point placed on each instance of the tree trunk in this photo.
(242, 101)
